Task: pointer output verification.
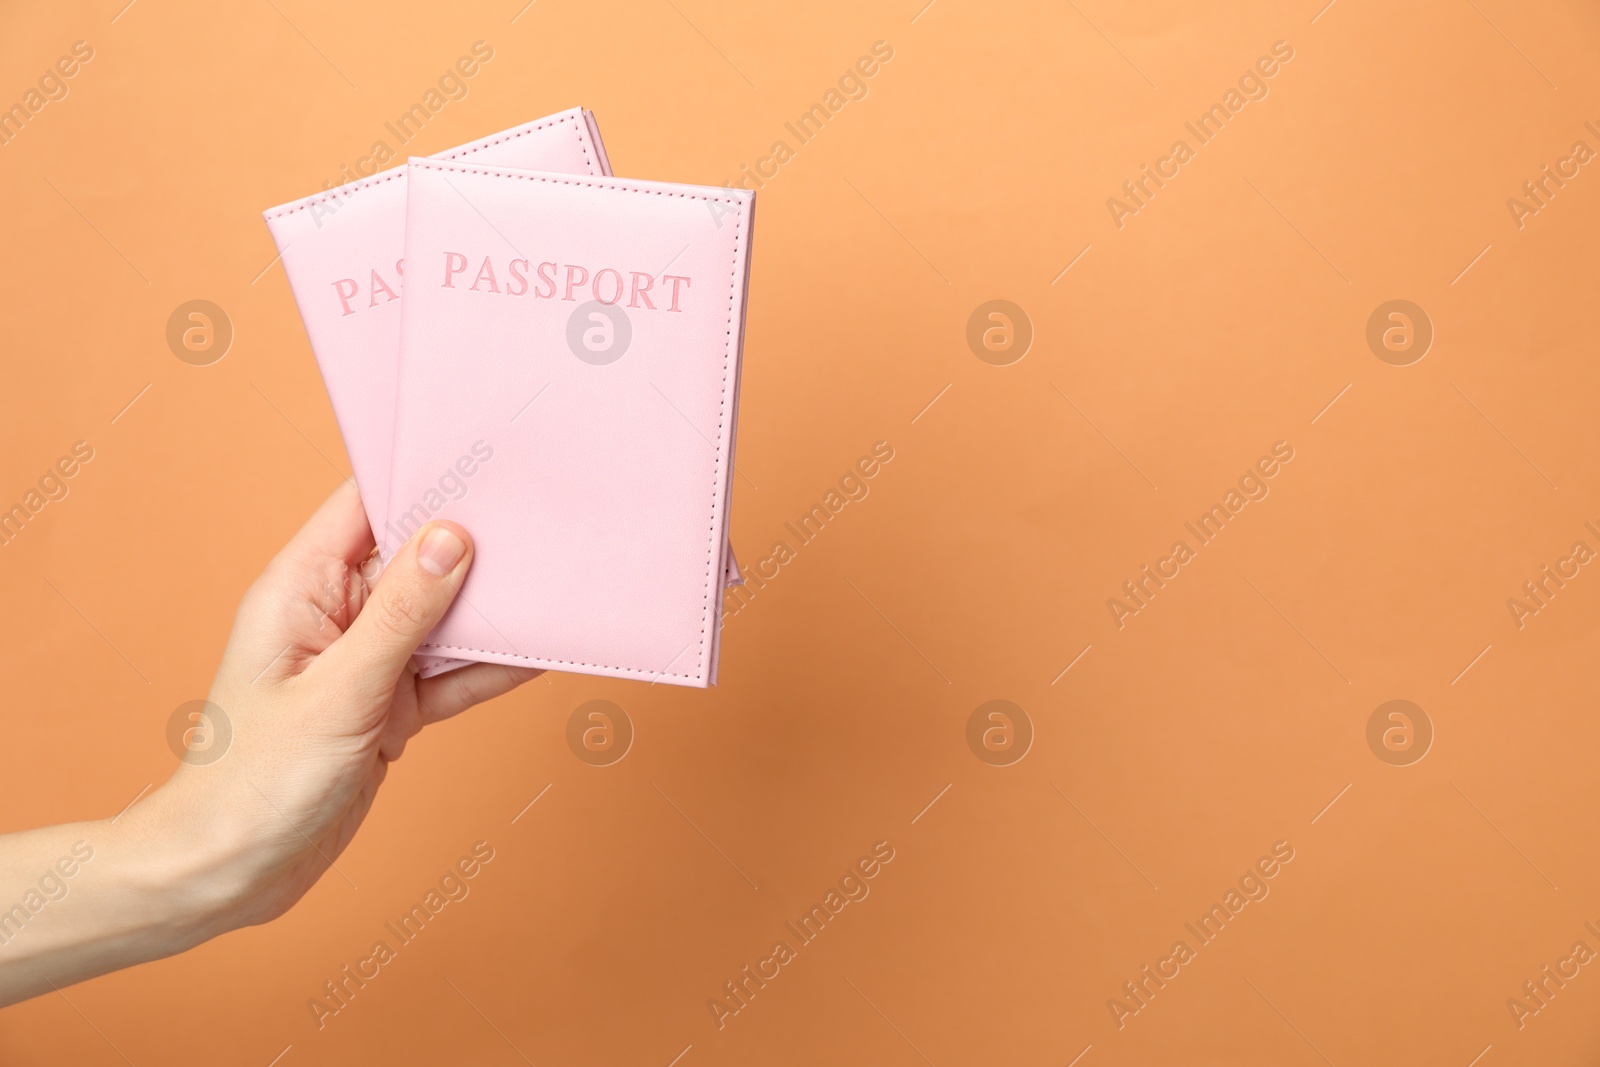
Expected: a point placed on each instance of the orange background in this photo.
(1223, 717)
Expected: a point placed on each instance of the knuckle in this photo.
(403, 610)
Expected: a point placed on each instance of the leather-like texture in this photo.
(341, 251)
(598, 494)
(356, 234)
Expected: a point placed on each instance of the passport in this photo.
(568, 390)
(342, 253)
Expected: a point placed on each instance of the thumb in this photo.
(412, 595)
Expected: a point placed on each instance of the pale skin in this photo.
(321, 691)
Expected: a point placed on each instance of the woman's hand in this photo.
(320, 693)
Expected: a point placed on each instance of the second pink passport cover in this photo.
(342, 250)
(575, 343)
(342, 253)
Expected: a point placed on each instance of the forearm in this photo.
(83, 899)
(321, 697)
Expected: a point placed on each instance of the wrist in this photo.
(185, 871)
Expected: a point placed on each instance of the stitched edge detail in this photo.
(489, 171)
(400, 172)
(563, 662)
(343, 190)
(579, 130)
(727, 359)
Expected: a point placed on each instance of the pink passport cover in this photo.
(600, 487)
(341, 251)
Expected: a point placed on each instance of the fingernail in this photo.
(440, 551)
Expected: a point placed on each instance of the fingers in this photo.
(336, 530)
(445, 695)
(410, 598)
